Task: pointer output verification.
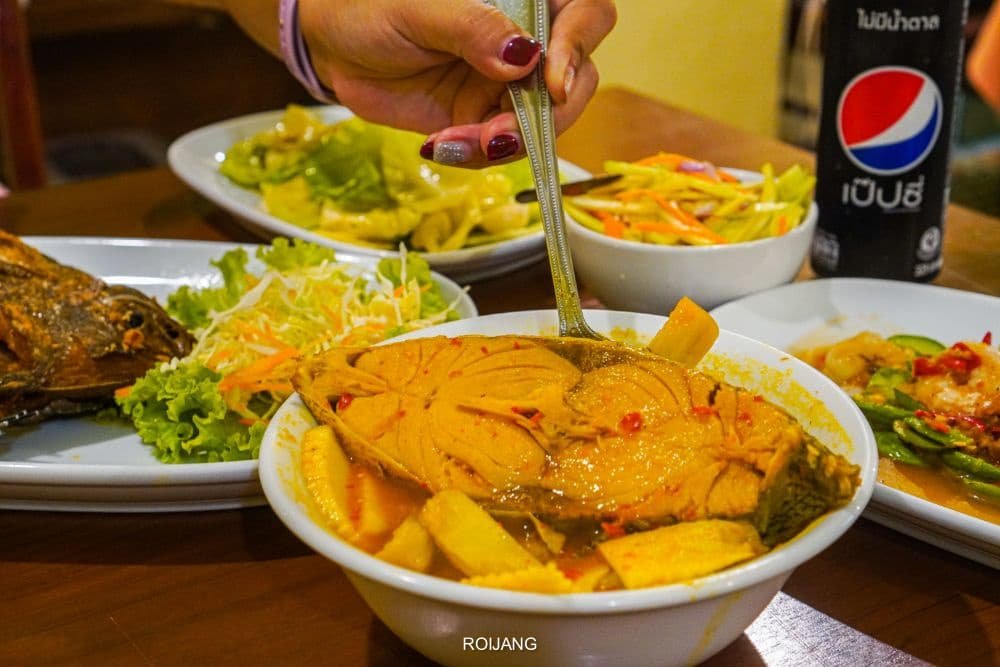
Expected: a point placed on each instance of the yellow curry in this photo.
(557, 465)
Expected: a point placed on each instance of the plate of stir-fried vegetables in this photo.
(923, 364)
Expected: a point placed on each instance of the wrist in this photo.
(295, 52)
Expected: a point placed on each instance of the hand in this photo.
(441, 68)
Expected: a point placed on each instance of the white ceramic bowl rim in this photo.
(780, 561)
(804, 228)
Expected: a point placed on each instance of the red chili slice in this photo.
(344, 401)
(924, 366)
(612, 529)
(631, 423)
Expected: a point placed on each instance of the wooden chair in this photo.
(21, 147)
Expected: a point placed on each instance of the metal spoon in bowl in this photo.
(533, 108)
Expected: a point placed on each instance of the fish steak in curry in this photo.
(574, 429)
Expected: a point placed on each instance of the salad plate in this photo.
(85, 464)
(195, 158)
(819, 312)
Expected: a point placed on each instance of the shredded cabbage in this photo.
(213, 404)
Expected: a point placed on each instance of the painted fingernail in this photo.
(452, 152)
(519, 51)
(427, 150)
(501, 146)
(568, 79)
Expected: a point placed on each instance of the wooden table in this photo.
(235, 587)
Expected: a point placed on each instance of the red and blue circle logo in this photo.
(889, 119)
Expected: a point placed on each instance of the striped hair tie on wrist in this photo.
(295, 53)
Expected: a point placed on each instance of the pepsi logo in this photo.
(889, 118)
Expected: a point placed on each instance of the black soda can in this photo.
(890, 74)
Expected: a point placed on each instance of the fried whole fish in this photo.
(574, 429)
(68, 339)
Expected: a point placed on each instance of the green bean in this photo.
(922, 345)
(971, 465)
(983, 490)
(906, 401)
(882, 416)
(891, 447)
(911, 437)
(951, 438)
(888, 378)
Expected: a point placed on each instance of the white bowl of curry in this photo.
(634, 546)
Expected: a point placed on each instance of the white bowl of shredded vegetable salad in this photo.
(673, 227)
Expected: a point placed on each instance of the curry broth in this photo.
(935, 486)
(377, 504)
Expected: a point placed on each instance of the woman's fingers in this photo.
(498, 138)
(494, 141)
(583, 88)
(578, 28)
(476, 32)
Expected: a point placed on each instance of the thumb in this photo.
(476, 32)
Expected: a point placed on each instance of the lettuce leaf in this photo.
(180, 411)
(347, 168)
(193, 307)
(284, 255)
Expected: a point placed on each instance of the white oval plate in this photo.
(196, 156)
(823, 311)
(79, 464)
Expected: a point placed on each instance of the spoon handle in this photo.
(533, 109)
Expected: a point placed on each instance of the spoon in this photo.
(533, 109)
(572, 188)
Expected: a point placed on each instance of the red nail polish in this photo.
(501, 146)
(520, 50)
(427, 150)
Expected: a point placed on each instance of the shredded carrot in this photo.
(613, 226)
(257, 370)
(269, 336)
(782, 224)
(691, 224)
(219, 356)
(122, 392)
(694, 223)
(725, 176)
(666, 227)
(333, 316)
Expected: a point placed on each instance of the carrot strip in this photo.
(257, 369)
(782, 224)
(693, 222)
(613, 226)
(690, 223)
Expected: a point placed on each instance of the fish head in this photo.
(142, 327)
